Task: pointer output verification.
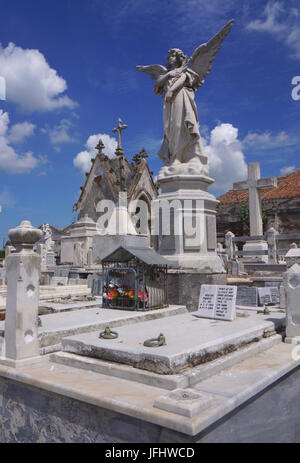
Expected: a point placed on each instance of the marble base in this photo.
(195, 205)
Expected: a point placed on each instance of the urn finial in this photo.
(25, 235)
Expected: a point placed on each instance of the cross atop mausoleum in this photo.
(253, 185)
(119, 130)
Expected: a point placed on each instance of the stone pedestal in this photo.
(190, 241)
(22, 270)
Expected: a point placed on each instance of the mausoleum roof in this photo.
(288, 188)
(144, 254)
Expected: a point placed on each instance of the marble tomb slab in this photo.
(190, 341)
(56, 326)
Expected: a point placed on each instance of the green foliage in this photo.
(244, 216)
(2, 254)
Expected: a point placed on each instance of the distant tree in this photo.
(244, 217)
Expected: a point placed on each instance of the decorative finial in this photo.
(143, 154)
(25, 235)
(118, 130)
(100, 146)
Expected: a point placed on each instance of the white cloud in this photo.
(83, 160)
(287, 170)
(267, 140)
(10, 160)
(226, 157)
(30, 82)
(282, 22)
(20, 131)
(60, 133)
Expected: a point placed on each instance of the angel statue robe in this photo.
(182, 140)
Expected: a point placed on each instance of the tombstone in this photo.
(292, 292)
(293, 256)
(217, 302)
(273, 284)
(268, 295)
(272, 246)
(254, 184)
(247, 296)
(22, 272)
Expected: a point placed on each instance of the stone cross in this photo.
(253, 185)
(22, 304)
(119, 130)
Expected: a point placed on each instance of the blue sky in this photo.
(70, 73)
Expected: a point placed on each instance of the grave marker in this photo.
(217, 302)
(268, 295)
(247, 296)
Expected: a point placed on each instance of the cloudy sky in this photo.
(69, 67)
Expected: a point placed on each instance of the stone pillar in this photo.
(292, 292)
(229, 245)
(272, 245)
(22, 272)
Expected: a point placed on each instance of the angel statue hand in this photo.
(169, 96)
(175, 72)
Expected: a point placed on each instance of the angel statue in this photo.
(182, 150)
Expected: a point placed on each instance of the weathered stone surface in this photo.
(190, 341)
(292, 292)
(23, 269)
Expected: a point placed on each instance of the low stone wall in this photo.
(29, 414)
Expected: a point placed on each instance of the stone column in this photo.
(272, 245)
(22, 271)
(292, 293)
(229, 245)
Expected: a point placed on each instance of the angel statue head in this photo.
(176, 58)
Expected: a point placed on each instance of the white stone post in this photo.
(22, 272)
(292, 293)
(272, 245)
(229, 245)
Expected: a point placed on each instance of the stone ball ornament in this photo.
(25, 235)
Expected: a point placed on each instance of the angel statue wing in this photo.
(203, 57)
(154, 70)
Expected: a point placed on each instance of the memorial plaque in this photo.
(217, 302)
(247, 296)
(273, 284)
(268, 296)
